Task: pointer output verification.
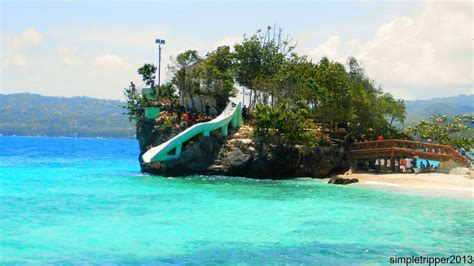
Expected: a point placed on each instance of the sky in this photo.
(412, 49)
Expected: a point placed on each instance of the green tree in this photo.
(284, 125)
(180, 68)
(211, 76)
(394, 109)
(147, 71)
(265, 63)
(335, 104)
(370, 107)
(444, 129)
(132, 98)
(258, 58)
(167, 90)
(217, 77)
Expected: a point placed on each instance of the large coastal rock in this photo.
(239, 155)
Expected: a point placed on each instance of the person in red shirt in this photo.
(184, 120)
(402, 165)
(379, 138)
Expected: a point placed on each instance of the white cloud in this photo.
(13, 46)
(68, 56)
(17, 60)
(32, 36)
(29, 37)
(427, 55)
(94, 61)
(124, 35)
(64, 51)
(330, 49)
(105, 61)
(229, 41)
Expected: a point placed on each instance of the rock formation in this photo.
(240, 155)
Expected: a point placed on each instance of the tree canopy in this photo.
(445, 130)
(266, 65)
(147, 72)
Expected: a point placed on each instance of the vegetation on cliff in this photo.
(288, 93)
(290, 99)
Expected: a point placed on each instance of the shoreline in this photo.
(427, 184)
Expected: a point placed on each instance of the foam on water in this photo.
(381, 183)
(84, 201)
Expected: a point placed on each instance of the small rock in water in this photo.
(342, 181)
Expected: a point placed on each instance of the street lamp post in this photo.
(159, 42)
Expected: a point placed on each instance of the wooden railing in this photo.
(397, 147)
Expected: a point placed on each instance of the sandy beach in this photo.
(431, 184)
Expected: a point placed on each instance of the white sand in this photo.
(432, 184)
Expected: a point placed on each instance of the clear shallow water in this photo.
(75, 201)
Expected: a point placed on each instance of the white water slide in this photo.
(232, 114)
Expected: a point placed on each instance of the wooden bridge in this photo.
(396, 147)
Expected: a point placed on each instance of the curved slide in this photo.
(231, 114)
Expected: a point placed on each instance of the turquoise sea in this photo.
(84, 201)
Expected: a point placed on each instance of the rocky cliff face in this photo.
(239, 155)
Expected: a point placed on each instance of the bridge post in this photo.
(178, 150)
(235, 122)
(392, 160)
(224, 130)
(206, 133)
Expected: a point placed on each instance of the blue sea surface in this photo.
(84, 201)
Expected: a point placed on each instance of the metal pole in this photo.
(243, 96)
(159, 42)
(159, 65)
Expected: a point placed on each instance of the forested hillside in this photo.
(423, 109)
(35, 115)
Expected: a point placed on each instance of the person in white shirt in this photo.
(396, 165)
(382, 165)
(377, 165)
(389, 165)
(408, 163)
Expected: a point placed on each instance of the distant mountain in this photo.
(423, 109)
(36, 115)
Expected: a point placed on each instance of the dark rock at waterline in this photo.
(150, 135)
(342, 181)
(238, 155)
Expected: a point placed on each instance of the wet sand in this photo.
(430, 184)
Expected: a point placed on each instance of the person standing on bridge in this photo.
(408, 164)
(380, 137)
(414, 164)
(377, 165)
(422, 167)
(184, 120)
(402, 165)
(382, 165)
